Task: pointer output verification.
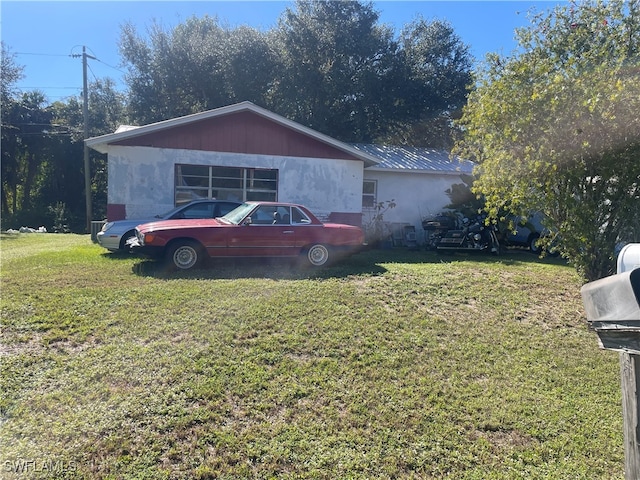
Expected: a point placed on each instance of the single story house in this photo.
(245, 152)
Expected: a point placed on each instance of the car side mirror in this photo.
(247, 221)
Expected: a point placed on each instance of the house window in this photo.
(194, 182)
(369, 193)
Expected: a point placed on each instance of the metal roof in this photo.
(415, 159)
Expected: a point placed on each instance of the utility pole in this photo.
(85, 115)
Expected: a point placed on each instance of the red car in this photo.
(254, 229)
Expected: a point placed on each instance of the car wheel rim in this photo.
(318, 255)
(125, 240)
(533, 245)
(185, 257)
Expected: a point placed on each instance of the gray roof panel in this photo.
(415, 159)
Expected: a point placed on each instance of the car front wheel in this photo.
(125, 239)
(185, 255)
(317, 255)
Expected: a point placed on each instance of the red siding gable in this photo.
(240, 132)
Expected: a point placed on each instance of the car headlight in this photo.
(106, 226)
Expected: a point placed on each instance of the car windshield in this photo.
(236, 215)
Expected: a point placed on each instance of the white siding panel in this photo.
(417, 195)
(142, 178)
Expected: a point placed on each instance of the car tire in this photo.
(496, 246)
(317, 255)
(533, 244)
(185, 255)
(125, 238)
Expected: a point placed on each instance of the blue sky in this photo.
(43, 35)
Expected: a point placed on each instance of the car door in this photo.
(306, 232)
(269, 233)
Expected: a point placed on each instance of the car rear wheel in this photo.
(185, 255)
(533, 244)
(317, 255)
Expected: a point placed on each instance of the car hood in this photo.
(178, 224)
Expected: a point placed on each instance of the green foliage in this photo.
(60, 218)
(29, 129)
(463, 199)
(555, 129)
(197, 66)
(42, 155)
(336, 58)
(393, 364)
(10, 74)
(107, 111)
(434, 87)
(329, 65)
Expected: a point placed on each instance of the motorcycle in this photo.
(471, 236)
(436, 227)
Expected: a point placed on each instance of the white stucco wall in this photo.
(417, 195)
(142, 178)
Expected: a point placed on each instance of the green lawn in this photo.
(393, 364)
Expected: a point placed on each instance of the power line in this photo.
(91, 70)
(56, 88)
(111, 66)
(42, 54)
(72, 55)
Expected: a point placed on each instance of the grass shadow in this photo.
(278, 269)
(370, 262)
(506, 257)
(413, 256)
(109, 255)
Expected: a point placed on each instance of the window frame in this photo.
(249, 185)
(373, 196)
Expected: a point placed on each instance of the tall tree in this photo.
(10, 74)
(107, 111)
(556, 129)
(329, 65)
(35, 129)
(42, 149)
(436, 81)
(196, 66)
(27, 127)
(338, 62)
